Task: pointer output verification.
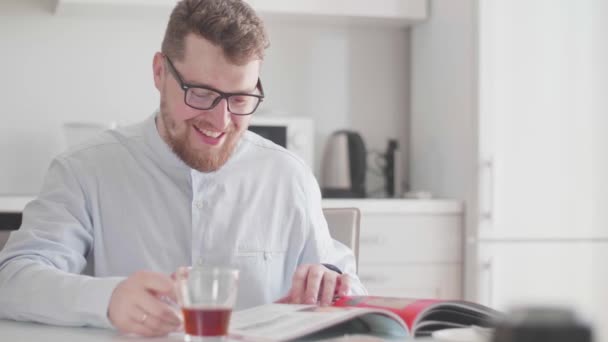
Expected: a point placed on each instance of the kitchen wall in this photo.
(96, 66)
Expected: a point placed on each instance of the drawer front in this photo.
(413, 281)
(410, 238)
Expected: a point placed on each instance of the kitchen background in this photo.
(96, 65)
(499, 108)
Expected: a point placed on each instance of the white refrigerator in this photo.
(509, 113)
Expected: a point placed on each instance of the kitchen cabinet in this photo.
(542, 273)
(502, 118)
(413, 280)
(536, 124)
(393, 12)
(410, 248)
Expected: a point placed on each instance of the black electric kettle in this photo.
(344, 165)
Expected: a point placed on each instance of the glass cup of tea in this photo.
(206, 296)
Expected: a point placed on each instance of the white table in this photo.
(26, 332)
(30, 332)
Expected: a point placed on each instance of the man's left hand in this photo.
(315, 283)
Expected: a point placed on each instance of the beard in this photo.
(209, 159)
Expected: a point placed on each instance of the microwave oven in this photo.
(296, 134)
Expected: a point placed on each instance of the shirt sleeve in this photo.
(321, 248)
(42, 262)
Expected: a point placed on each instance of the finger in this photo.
(181, 273)
(170, 300)
(137, 327)
(328, 288)
(154, 324)
(159, 326)
(343, 285)
(298, 284)
(283, 300)
(156, 308)
(157, 282)
(313, 283)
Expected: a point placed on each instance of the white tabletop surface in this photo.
(22, 331)
(26, 332)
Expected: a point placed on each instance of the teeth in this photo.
(211, 134)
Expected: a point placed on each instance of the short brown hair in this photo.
(230, 24)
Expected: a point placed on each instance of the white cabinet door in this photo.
(393, 238)
(413, 280)
(535, 120)
(512, 274)
(599, 314)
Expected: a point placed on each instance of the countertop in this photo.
(14, 204)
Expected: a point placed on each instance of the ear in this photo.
(158, 69)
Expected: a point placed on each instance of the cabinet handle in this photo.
(487, 268)
(487, 190)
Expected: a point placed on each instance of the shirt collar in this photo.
(166, 154)
(159, 146)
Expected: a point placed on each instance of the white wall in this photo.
(342, 77)
(443, 126)
(97, 67)
(444, 92)
(58, 69)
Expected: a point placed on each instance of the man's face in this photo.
(203, 139)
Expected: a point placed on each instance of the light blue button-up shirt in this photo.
(123, 202)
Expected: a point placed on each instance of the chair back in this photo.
(344, 226)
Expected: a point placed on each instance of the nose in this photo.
(219, 116)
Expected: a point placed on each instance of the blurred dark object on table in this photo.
(542, 324)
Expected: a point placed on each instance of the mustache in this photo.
(208, 126)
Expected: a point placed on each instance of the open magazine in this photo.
(383, 317)
(424, 316)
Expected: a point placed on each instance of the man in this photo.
(188, 185)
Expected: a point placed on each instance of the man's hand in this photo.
(314, 284)
(135, 306)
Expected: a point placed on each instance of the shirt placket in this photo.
(198, 218)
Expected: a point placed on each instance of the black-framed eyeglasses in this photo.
(205, 98)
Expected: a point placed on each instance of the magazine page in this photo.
(406, 308)
(450, 314)
(423, 316)
(280, 322)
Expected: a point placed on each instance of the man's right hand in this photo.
(135, 306)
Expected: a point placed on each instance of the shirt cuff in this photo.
(94, 300)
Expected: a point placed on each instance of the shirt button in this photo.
(198, 204)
